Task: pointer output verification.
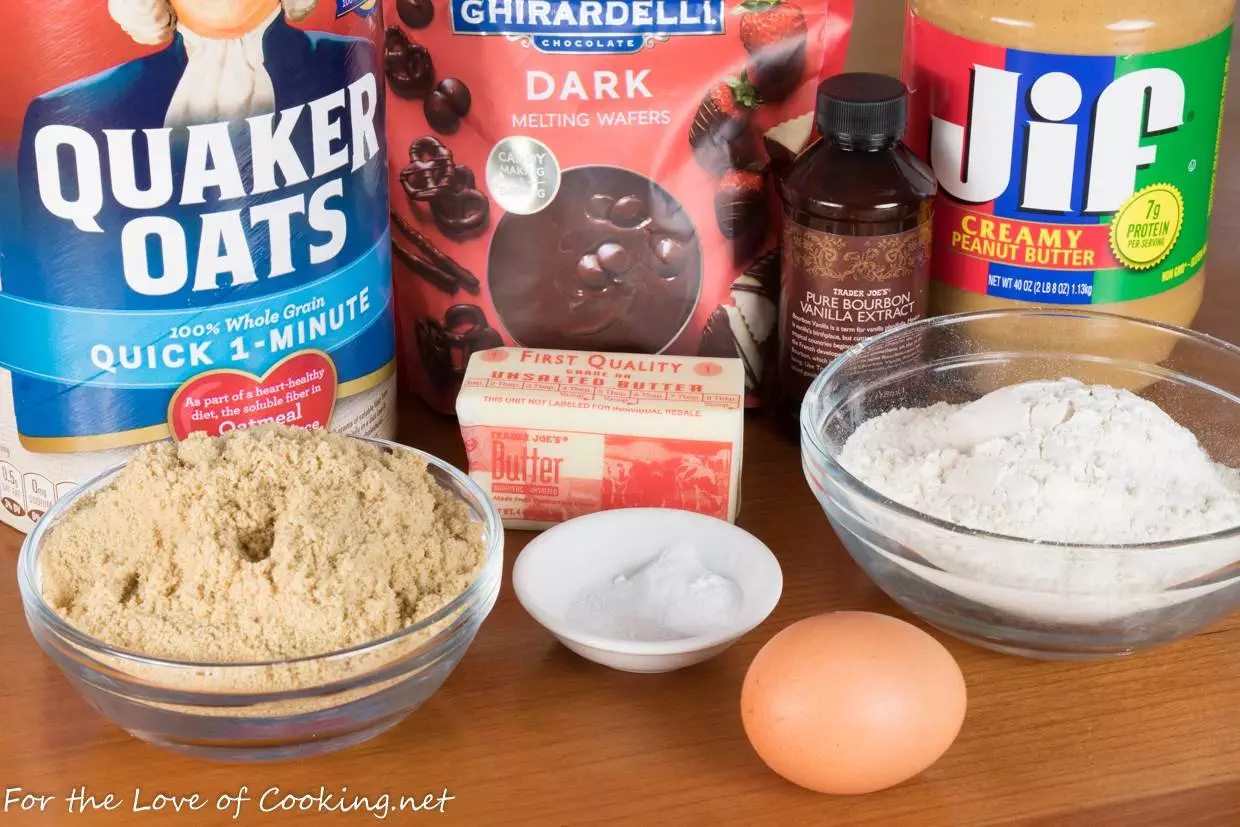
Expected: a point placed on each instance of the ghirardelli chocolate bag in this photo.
(594, 174)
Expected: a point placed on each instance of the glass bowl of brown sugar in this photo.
(275, 709)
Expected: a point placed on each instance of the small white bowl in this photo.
(582, 555)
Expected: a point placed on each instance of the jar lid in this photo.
(863, 107)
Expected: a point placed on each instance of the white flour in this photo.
(1052, 461)
(670, 598)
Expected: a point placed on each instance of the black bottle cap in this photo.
(862, 108)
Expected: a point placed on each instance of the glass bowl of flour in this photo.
(1048, 484)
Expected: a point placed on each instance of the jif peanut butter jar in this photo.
(857, 208)
(1076, 143)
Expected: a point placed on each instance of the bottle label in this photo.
(840, 290)
(1067, 179)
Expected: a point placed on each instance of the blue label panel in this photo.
(588, 45)
(1026, 284)
(143, 349)
(364, 8)
(1093, 74)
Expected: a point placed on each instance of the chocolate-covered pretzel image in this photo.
(410, 71)
(430, 171)
(461, 211)
(446, 346)
(468, 332)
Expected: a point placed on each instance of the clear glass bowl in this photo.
(1042, 600)
(247, 712)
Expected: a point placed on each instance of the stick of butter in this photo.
(555, 434)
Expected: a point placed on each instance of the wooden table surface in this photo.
(526, 733)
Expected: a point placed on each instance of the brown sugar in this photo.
(262, 545)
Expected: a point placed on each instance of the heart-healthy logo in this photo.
(299, 391)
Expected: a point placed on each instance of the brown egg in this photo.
(851, 703)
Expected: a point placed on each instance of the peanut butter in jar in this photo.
(1075, 143)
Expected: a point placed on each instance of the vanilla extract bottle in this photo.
(858, 209)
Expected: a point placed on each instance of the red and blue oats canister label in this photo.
(1067, 179)
(193, 230)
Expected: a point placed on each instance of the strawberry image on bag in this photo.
(594, 174)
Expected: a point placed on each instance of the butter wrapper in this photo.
(554, 434)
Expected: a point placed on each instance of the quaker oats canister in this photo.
(193, 230)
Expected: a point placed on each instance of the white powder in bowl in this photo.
(1052, 461)
(1057, 462)
(672, 597)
